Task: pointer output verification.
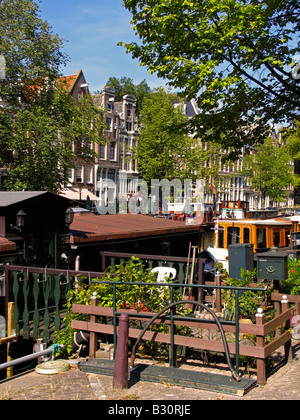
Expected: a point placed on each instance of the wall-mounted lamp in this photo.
(20, 220)
(69, 216)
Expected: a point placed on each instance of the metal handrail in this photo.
(173, 317)
(51, 350)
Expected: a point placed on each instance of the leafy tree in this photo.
(42, 128)
(45, 138)
(126, 86)
(234, 57)
(269, 170)
(292, 138)
(164, 150)
(32, 52)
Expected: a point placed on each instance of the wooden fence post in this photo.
(218, 293)
(298, 312)
(200, 280)
(297, 327)
(261, 364)
(120, 379)
(288, 345)
(93, 335)
(10, 332)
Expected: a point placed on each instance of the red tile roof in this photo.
(33, 88)
(6, 245)
(69, 80)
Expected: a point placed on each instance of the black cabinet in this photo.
(240, 256)
(272, 266)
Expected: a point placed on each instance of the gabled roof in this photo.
(70, 80)
(190, 107)
(35, 86)
(8, 198)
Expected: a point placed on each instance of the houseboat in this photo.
(263, 232)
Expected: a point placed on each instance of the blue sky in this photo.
(92, 30)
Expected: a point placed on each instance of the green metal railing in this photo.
(181, 264)
(39, 296)
(172, 317)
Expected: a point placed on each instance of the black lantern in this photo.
(69, 216)
(20, 221)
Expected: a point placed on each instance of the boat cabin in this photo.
(234, 209)
(262, 233)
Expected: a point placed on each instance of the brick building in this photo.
(116, 169)
(81, 179)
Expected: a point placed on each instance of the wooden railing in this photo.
(39, 296)
(261, 330)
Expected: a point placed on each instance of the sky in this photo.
(91, 30)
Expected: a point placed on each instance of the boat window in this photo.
(261, 238)
(233, 235)
(220, 243)
(287, 237)
(246, 236)
(276, 237)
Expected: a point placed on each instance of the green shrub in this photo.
(249, 301)
(291, 285)
(138, 297)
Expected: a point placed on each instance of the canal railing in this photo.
(39, 296)
(181, 264)
(260, 349)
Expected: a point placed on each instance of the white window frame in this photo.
(105, 151)
(88, 174)
(79, 171)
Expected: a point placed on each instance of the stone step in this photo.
(173, 376)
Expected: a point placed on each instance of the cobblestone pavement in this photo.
(284, 384)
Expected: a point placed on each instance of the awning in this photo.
(77, 194)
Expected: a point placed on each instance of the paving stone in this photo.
(284, 384)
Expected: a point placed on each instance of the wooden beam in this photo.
(6, 340)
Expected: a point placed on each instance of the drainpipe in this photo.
(77, 263)
(51, 350)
